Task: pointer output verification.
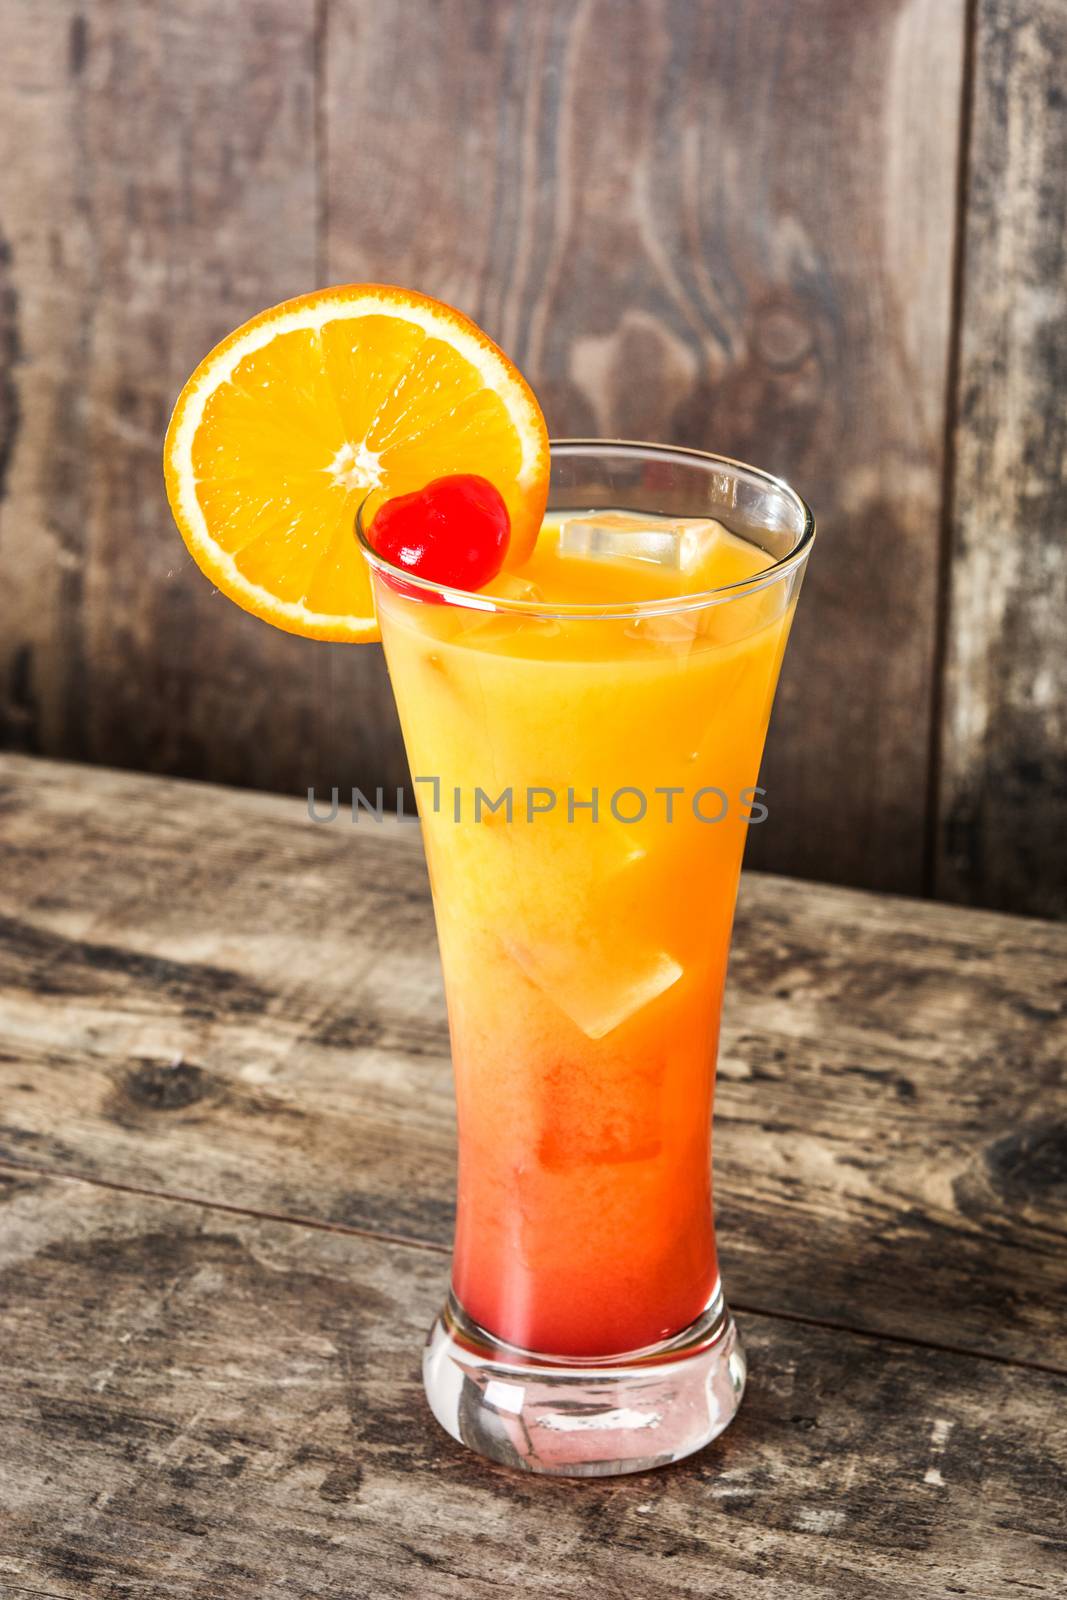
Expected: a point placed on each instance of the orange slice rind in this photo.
(344, 397)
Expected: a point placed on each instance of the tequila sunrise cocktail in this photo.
(586, 735)
(584, 696)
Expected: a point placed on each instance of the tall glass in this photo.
(586, 777)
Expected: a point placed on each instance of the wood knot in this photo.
(782, 338)
(1031, 1163)
(167, 1085)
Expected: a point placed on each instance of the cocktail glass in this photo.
(586, 775)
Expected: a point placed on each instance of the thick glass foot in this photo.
(588, 1418)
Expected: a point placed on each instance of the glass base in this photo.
(589, 1417)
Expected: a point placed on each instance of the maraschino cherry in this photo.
(454, 531)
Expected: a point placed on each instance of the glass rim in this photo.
(581, 611)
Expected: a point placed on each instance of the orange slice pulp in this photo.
(349, 395)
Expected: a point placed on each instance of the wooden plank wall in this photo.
(720, 223)
(1002, 818)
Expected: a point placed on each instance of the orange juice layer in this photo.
(584, 956)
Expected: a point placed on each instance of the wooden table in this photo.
(226, 1190)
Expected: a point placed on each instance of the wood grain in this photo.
(157, 185)
(209, 1405)
(728, 225)
(724, 225)
(1003, 815)
(207, 994)
(656, 191)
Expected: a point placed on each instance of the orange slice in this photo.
(347, 395)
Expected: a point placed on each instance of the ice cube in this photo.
(668, 629)
(681, 544)
(534, 878)
(609, 1113)
(597, 991)
(510, 586)
(490, 623)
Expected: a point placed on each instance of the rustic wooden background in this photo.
(825, 236)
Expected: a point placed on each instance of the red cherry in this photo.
(454, 531)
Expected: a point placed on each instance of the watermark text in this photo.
(627, 804)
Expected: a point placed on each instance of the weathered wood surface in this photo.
(205, 993)
(657, 206)
(678, 239)
(212, 1391)
(157, 187)
(214, 1405)
(1004, 740)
